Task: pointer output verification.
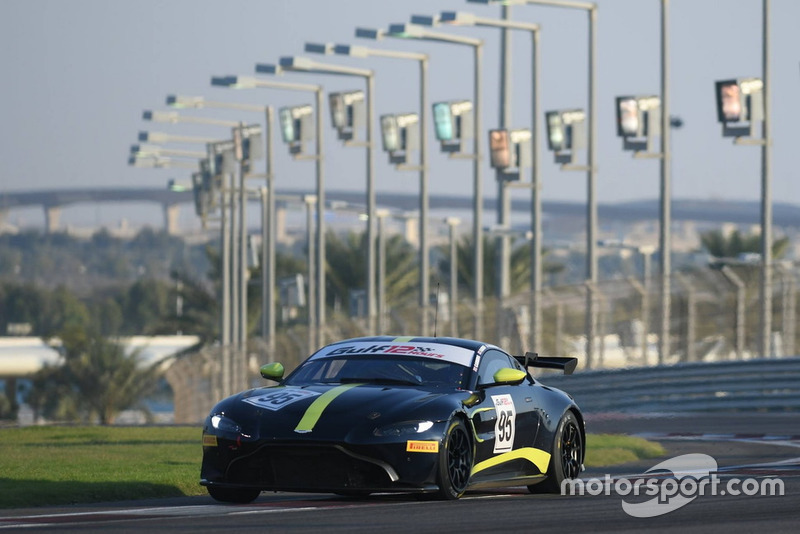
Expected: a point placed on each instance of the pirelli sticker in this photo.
(209, 440)
(422, 446)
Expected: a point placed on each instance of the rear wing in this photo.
(532, 359)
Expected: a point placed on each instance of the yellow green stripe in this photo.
(537, 457)
(314, 411)
(403, 339)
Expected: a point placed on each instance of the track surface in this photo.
(758, 446)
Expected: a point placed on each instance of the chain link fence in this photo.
(715, 316)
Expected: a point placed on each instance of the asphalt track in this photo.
(746, 446)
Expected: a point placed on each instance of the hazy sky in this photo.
(77, 75)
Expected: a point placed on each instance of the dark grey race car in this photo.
(386, 414)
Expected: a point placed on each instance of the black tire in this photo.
(566, 456)
(455, 461)
(233, 495)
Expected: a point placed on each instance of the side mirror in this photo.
(272, 371)
(508, 376)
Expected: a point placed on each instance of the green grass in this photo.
(42, 466)
(63, 465)
(612, 449)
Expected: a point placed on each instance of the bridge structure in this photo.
(718, 211)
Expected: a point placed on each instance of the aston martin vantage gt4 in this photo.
(436, 416)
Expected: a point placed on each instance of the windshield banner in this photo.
(437, 351)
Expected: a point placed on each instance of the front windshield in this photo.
(380, 369)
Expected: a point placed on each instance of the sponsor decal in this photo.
(439, 351)
(209, 440)
(422, 446)
(477, 363)
(505, 425)
(416, 350)
(538, 457)
(279, 398)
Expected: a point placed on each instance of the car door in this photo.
(505, 419)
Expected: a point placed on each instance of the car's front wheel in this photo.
(566, 456)
(455, 461)
(233, 495)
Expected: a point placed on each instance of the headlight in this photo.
(404, 428)
(225, 424)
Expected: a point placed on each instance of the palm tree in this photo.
(732, 245)
(520, 265)
(346, 266)
(97, 379)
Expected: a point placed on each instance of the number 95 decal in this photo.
(278, 398)
(506, 423)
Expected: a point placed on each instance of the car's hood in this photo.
(335, 412)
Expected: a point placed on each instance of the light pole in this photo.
(414, 31)
(302, 64)
(160, 162)
(310, 201)
(173, 117)
(160, 137)
(744, 102)
(227, 321)
(227, 318)
(766, 195)
(591, 167)
(381, 214)
(504, 287)
(156, 151)
(225, 289)
(665, 234)
(239, 271)
(452, 225)
(268, 322)
(422, 59)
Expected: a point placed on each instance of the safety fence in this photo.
(714, 317)
(753, 385)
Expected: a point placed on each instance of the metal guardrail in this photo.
(750, 385)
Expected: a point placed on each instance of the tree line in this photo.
(177, 293)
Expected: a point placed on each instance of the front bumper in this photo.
(325, 467)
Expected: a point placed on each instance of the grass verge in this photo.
(44, 466)
(62, 465)
(612, 449)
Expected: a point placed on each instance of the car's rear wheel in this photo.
(455, 461)
(566, 456)
(234, 495)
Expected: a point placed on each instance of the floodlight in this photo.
(452, 123)
(500, 148)
(399, 135)
(739, 100)
(510, 150)
(390, 133)
(347, 113)
(565, 133)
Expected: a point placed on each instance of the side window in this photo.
(491, 362)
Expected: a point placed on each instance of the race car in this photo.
(433, 416)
